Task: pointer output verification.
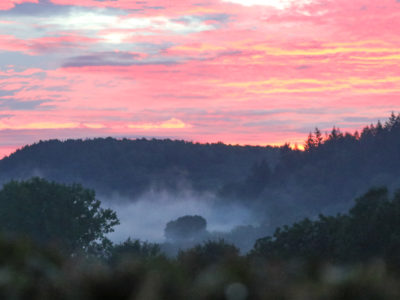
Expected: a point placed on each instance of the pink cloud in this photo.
(8, 4)
(10, 43)
(257, 75)
(44, 44)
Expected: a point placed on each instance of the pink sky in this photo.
(236, 71)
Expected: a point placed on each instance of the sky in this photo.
(252, 72)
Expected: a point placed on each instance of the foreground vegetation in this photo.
(210, 271)
(352, 256)
(371, 230)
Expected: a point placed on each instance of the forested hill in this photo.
(130, 167)
(281, 183)
(326, 177)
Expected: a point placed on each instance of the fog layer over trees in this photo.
(250, 190)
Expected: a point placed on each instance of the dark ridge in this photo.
(131, 167)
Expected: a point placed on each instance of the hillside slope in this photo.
(131, 167)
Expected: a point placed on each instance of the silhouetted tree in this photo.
(185, 228)
(318, 140)
(310, 143)
(67, 215)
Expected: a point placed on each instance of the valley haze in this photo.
(243, 192)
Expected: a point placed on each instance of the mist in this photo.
(145, 218)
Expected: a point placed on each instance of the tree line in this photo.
(335, 168)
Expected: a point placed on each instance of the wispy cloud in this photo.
(169, 124)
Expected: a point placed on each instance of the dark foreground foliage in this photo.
(371, 230)
(347, 257)
(28, 272)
